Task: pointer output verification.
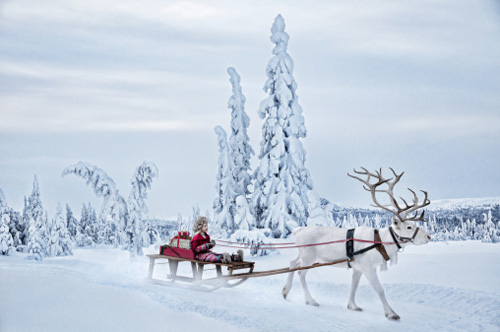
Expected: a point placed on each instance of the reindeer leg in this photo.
(293, 264)
(372, 277)
(309, 299)
(356, 275)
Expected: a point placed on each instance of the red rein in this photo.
(291, 245)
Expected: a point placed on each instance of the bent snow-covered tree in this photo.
(137, 234)
(113, 209)
(281, 180)
(225, 186)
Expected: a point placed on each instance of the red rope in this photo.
(276, 246)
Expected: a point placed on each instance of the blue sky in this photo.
(412, 85)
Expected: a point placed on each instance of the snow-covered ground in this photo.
(437, 287)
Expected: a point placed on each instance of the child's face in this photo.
(204, 229)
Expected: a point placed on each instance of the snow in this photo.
(450, 204)
(441, 286)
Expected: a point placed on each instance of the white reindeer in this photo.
(401, 233)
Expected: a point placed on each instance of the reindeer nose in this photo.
(429, 237)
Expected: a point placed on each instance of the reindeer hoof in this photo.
(354, 308)
(313, 303)
(285, 292)
(393, 316)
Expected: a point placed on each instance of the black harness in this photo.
(349, 246)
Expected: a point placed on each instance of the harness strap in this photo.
(394, 237)
(350, 246)
(381, 248)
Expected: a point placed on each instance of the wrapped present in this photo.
(184, 235)
(178, 242)
(176, 252)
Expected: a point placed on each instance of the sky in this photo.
(409, 85)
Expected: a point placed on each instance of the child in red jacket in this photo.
(201, 245)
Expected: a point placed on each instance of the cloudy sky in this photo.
(410, 84)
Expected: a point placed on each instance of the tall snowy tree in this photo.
(59, 238)
(16, 227)
(138, 236)
(240, 150)
(4, 208)
(6, 240)
(86, 235)
(282, 180)
(72, 224)
(37, 220)
(490, 231)
(225, 186)
(114, 208)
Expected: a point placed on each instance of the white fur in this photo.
(364, 264)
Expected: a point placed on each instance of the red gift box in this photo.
(183, 234)
(176, 252)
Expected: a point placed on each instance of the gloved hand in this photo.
(213, 241)
(209, 246)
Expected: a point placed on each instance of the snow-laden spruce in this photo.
(137, 233)
(37, 237)
(240, 150)
(240, 153)
(6, 240)
(88, 231)
(113, 209)
(59, 238)
(281, 180)
(73, 224)
(226, 189)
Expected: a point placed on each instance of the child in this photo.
(201, 245)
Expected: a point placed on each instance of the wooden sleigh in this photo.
(231, 279)
(237, 273)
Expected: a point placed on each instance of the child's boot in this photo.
(226, 258)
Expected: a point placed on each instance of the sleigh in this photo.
(236, 272)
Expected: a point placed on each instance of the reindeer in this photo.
(402, 232)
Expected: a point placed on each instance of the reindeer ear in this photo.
(396, 224)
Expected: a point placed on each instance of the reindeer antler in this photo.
(400, 212)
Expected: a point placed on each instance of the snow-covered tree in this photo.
(87, 233)
(226, 190)
(72, 224)
(281, 180)
(490, 231)
(6, 241)
(59, 239)
(317, 214)
(16, 228)
(243, 217)
(183, 224)
(240, 150)
(3, 203)
(137, 234)
(37, 230)
(114, 208)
